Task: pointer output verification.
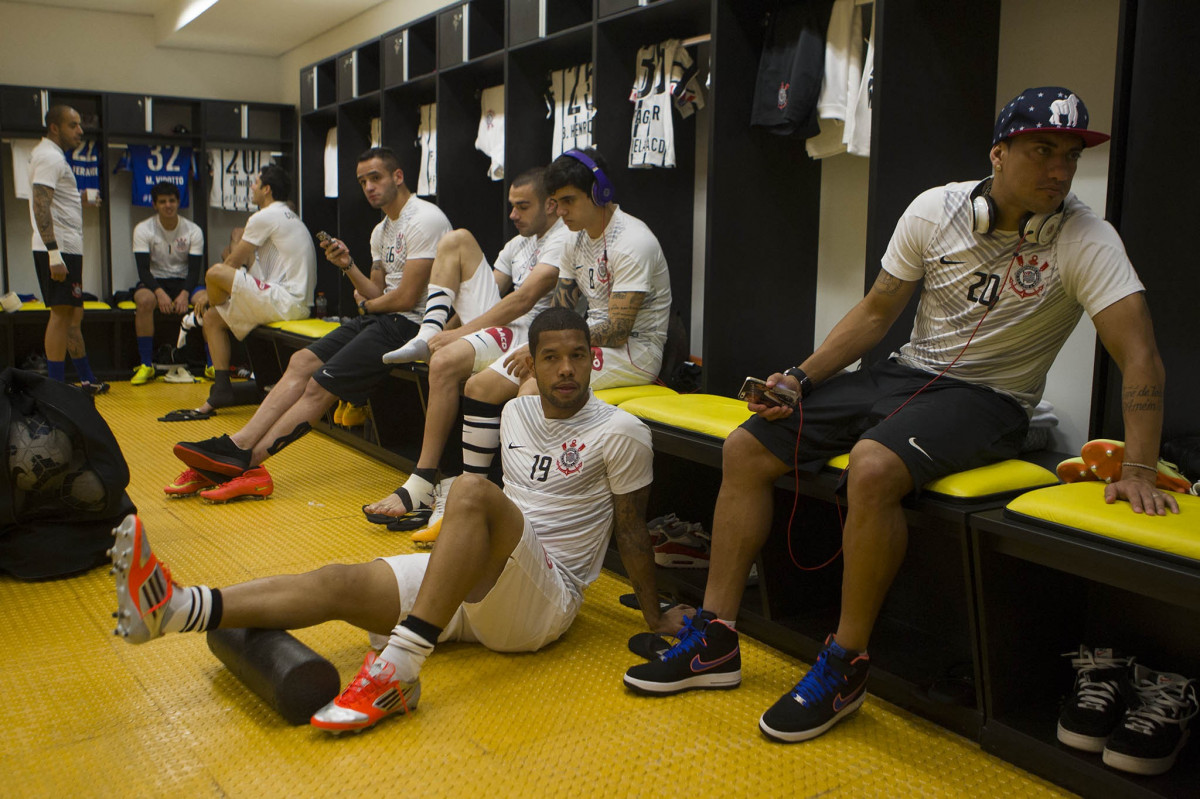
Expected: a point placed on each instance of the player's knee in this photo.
(144, 300)
(471, 493)
(336, 581)
(743, 457)
(877, 473)
(302, 363)
(450, 364)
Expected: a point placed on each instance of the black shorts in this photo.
(171, 285)
(56, 292)
(352, 355)
(949, 427)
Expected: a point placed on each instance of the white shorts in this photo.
(252, 303)
(530, 605)
(478, 294)
(613, 367)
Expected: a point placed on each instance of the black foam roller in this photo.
(290, 677)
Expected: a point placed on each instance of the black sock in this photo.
(429, 632)
(214, 615)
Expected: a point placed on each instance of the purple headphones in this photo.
(602, 189)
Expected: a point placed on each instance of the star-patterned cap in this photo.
(1049, 108)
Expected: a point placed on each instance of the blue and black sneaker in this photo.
(705, 655)
(833, 688)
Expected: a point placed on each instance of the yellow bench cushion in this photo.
(88, 305)
(615, 396)
(986, 481)
(1081, 506)
(127, 305)
(700, 413)
(312, 328)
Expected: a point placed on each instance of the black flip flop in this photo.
(388, 518)
(187, 415)
(648, 645)
(631, 601)
(411, 521)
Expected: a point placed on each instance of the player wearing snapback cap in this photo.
(1007, 266)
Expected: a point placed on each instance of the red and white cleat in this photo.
(373, 694)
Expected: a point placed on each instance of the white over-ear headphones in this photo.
(1035, 228)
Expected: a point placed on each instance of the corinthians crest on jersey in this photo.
(1028, 276)
(571, 460)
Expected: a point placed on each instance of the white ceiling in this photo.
(250, 27)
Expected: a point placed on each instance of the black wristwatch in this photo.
(362, 307)
(806, 383)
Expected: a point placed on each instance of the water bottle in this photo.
(322, 306)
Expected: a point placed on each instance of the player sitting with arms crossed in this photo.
(913, 418)
(169, 252)
(614, 262)
(347, 361)
(510, 567)
(491, 327)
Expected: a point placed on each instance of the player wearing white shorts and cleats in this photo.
(509, 570)
(491, 327)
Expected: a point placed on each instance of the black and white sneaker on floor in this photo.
(833, 688)
(1097, 701)
(705, 655)
(1149, 737)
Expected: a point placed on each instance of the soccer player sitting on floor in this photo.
(169, 252)
(347, 362)
(614, 262)
(1008, 263)
(509, 570)
(279, 284)
(491, 326)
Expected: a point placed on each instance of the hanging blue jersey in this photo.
(152, 165)
(85, 163)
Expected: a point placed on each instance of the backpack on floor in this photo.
(66, 477)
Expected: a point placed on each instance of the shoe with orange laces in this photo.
(254, 483)
(373, 694)
(144, 584)
(187, 484)
(1105, 457)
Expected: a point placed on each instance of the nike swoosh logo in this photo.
(699, 665)
(943, 260)
(516, 446)
(839, 702)
(325, 373)
(912, 441)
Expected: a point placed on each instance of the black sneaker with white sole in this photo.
(833, 688)
(1097, 701)
(1149, 737)
(706, 655)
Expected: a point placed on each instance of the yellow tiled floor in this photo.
(87, 714)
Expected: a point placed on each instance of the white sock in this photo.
(437, 311)
(730, 624)
(419, 490)
(190, 610)
(407, 652)
(481, 442)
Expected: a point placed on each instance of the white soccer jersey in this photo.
(331, 163)
(168, 249)
(857, 134)
(285, 254)
(1083, 268)
(843, 78)
(665, 75)
(427, 136)
(412, 235)
(573, 109)
(562, 474)
(233, 173)
(22, 152)
(523, 253)
(489, 139)
(626, 257)
(48, 167)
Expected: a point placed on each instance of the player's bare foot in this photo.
(391, 505)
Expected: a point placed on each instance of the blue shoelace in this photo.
(818, 683)
(689, 637)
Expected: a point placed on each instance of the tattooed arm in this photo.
(623, 307)
(860, 329)
(633, 544)
(1127, 333)
(43, 197)
(566, 294)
